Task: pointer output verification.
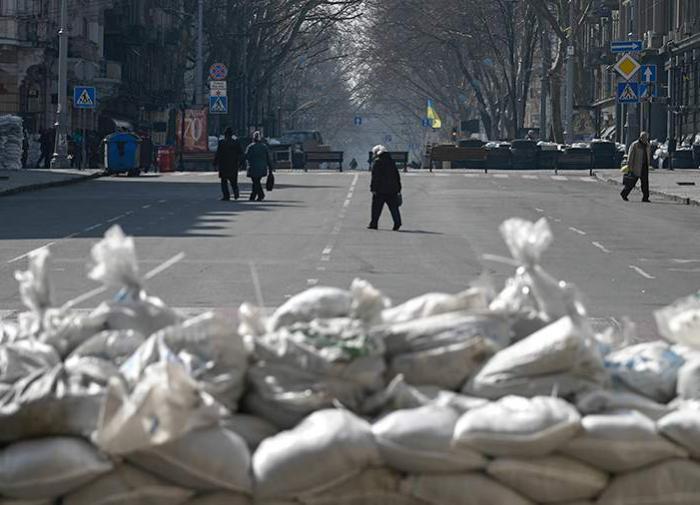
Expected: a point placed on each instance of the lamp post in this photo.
(60, 158)
(181, 162)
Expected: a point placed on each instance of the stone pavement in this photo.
(19, 181)
(682, 185)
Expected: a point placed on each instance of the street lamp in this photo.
(60, 158)
(181, 162)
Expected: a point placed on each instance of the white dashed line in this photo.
(530, 177)
(642, 272)
(576, 230)
(601, 247)
(14, 260)
(164, 266)
(147, 206)
(559, 178)
(501, 176)
(116, 218)
(470, 175)
(93, 227)
(311, 282)
(539, 210)
(162, 201)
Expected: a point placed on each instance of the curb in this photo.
(670, 196)
(52, 184)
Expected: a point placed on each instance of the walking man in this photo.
(259, 165)
(385, 187)
(228, 159)
(638, 161)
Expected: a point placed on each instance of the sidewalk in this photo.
(20, 181)
(681, 185)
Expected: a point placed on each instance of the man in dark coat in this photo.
(385, 187)
(228, 159)
(259, 165)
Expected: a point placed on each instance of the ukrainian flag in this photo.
(432, 115)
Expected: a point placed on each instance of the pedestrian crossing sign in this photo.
(84, 97)
(218, 104)
(628, 92)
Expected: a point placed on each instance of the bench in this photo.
(326, 157)
(399, 157)
(281, 156)
(454, 153)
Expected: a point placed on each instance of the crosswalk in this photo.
(529, 177)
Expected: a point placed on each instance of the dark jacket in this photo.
(228, 158)
(258, 158)
(385, 176)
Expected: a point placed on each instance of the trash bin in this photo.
(122, 153)
(604, 154)
(524, 154)
(498, 155)
(548, 155)
(683, 158)
(165, 159)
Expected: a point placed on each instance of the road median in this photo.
(21, 181)
(682, 186)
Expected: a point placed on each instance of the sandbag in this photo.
(516, 426)
(212, 459)
(208, 347)
(335, 444)
(561, 358)
(602, 400)
(250, 428)
(431, 304)
(126, 485)
(50, 467)
(220, 498)
(674, 482)
(165, 404)
(688, 385)
(649, 369)
(316, 303)
(461, 489)
(10, 501)
(683, 427)
(374, 485)
(620, 441)
(680, 321)
(114, 346)
(551, 479)
(24, 357)
(420, 441)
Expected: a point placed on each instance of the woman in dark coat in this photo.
(259, 165)
(385, 187)
(228, 159)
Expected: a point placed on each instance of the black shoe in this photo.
(396, 227)
(624, 197)
(225, 198)
(372, 227)
(646, 200)
(261, 198)
(252, 198)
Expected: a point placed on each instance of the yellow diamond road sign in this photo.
(627, 67)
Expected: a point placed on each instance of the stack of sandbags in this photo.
(11, 136)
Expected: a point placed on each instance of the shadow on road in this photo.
(421, 232)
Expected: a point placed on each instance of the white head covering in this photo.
(378, 149)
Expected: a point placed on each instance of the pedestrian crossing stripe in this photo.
(85, 99)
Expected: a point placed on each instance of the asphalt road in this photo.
(627, 258)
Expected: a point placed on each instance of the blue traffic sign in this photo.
(84, 97)
(427, 123)
(648, 73)
(358, 120)
(625, 46)
(628, 92)
(647, 90)
(218, 104)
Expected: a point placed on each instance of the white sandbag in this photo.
(680, 321)
(24, 357)
(326, 448)
(252, 429)
(165, 404)
(461, 489)
(674, 482)
(205, 460)
(603, 400)
(516, 426)
(126, 485)
(683, 427)
(420, 441)
(208, 347)
(649, 369)
(49, 467)
(115, 346)
(219, 498)
(561, 358)
(551, 479)
(431, 304)
(620, 441)
(688, 385)
(367, 302)
(316, 303)
(374, 485)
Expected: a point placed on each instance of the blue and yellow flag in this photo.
(433, 117)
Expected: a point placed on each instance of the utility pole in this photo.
(60, 158)
(544, 83)
(570, 53)
(199, 66)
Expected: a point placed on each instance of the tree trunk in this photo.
(555, 95)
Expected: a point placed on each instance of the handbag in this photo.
(270, 182)
(399, 200)
(629, 179)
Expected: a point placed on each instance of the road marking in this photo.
(164, 266)
(147, 206)
(162, 201)
(93, 227)
(321, 268)
(14, 260)
(256, 284)
(346, 203)
(539, 210)
(311, 282)
(559, 177)
(576, 230)
(116, 218)
(325, 258)
(501, 176)
(642, 272)
(327, 251)
(684, 261)
(687, 270)
(588, 179)
(601, 247)
(530, 177)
